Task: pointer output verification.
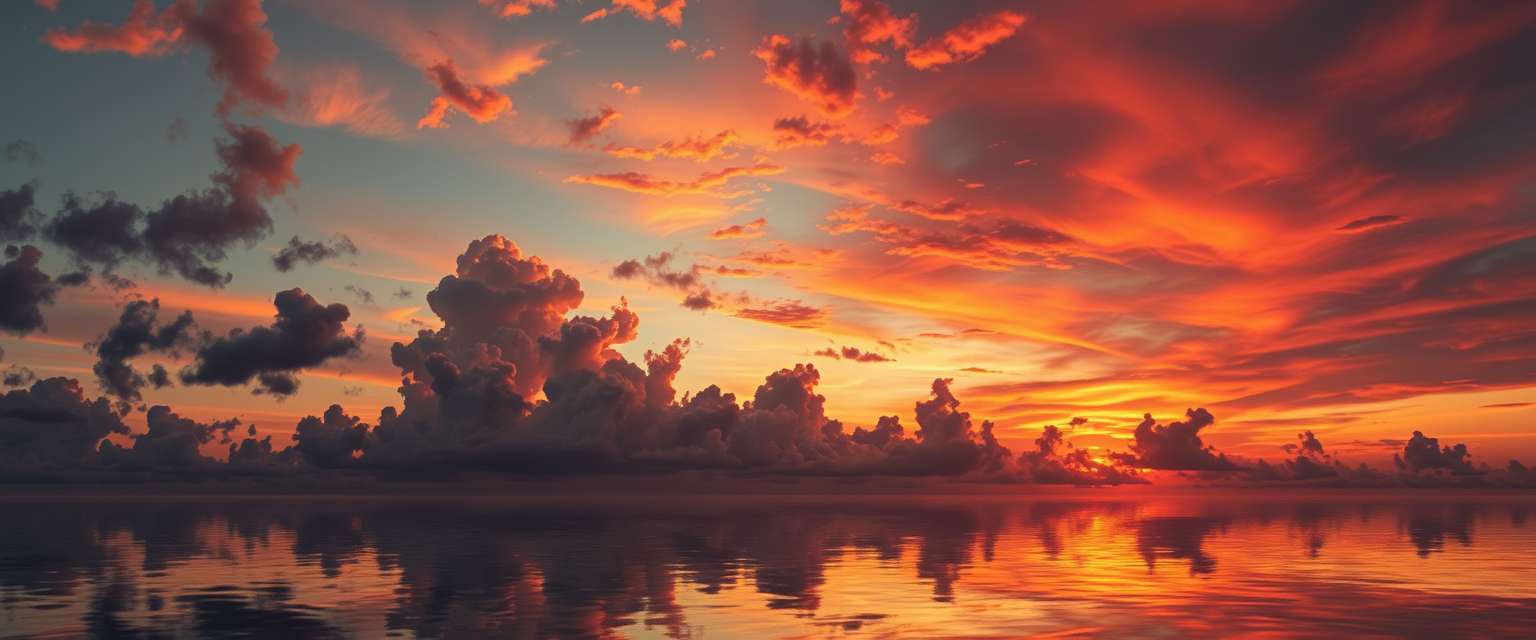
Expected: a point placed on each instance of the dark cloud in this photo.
(1368, 223)
(23, 152)
(190, 233)
(330, 441)
(24, 290)
(105, 234)
(312, 252)
(136, 333)
(404, 293)
(1056, 461)
(1424, 454)
(18, 376)
(363, 295)
(584, 129)
(18, 217)
(171, 442)
(800, 131)
(53, 425)
(820, 75)
(853, 354)
(1176, 446)
(306, 334)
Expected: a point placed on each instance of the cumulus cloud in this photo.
(1176, 446)
(1424, 454)
(52, 425)
(710, 183)
(19, 219)
(820, 75)
(136, 332)
(584, 129)
(482, 103)
(190, 233)
(171, 442)
(867, 23)
(24, 290)
(967, 41)
(312, 252)
(753, 229)
(306, 334)
(1056, 461)
(697, 149)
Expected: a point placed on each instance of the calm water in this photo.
(1176, 566)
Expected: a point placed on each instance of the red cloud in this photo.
(967, 41)
(483, 103)
(870, 22)
(336, 97)
(819, 75)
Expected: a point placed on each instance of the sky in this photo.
(1298, 216)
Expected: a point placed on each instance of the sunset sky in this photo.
(1298, 215)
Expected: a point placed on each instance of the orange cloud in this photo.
(870, 22)
(966, 42)
(790, 313)
(648, 10)
(697, 149)
(482, 103)
(753, 229)
(514, 8)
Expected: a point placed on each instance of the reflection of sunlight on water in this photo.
(920, 568)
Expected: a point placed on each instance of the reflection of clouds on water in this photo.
(318, 569)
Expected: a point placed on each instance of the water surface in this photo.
(1089, 565)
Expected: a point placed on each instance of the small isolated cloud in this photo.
(584, 129)
(517, 8)
(336, 97)
(800, 131)
(752, 229)
(482, 103)
(312, 252)
(790, 313)
(852, 354)
(626, 90)
(886, 158)
(648, 10)
(1369, 223)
